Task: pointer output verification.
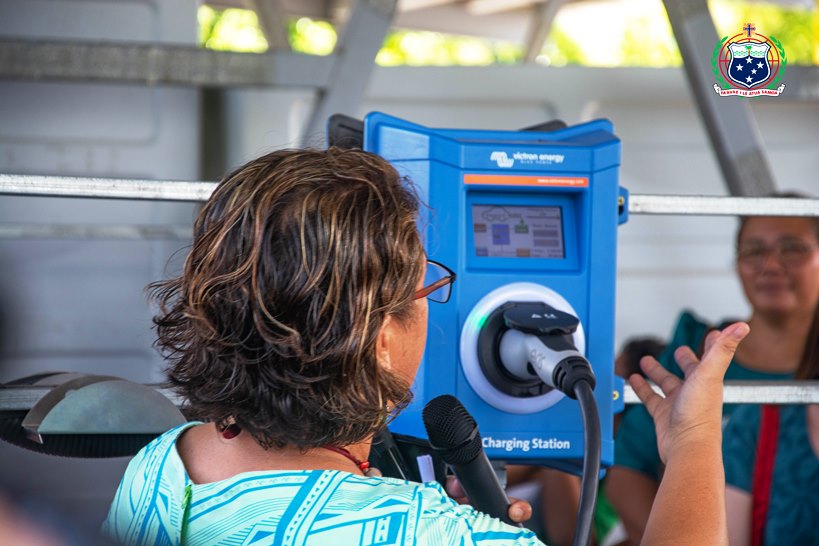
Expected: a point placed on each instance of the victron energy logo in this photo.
(502, 159)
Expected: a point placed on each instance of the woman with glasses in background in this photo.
(771, 453)
(294, 334)
(777, 261)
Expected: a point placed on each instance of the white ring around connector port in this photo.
(519, 291)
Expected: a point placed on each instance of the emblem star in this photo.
(759, 65)
(748, 60)
(753, 71)
(748, 79)
(739, 67)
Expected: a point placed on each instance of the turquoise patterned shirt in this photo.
(157, 504)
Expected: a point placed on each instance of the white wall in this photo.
(79, 305)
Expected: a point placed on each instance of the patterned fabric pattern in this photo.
(794, 506)
(311, 508)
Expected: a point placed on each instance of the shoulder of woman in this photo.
(163, 443)
(690, 328)
(689, 331)
(151, 459)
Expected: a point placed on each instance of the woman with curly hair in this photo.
(294, 333)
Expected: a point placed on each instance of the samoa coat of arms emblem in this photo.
(749, 64)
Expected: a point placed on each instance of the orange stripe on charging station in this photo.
(512, 180)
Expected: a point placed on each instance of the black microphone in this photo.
(454, 436)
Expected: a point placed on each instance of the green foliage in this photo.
(415, 48)
(647, 42)
(560, 49)
(312, 37)
(206, 17)
(641, 38)
(796, 28)
(230, 29)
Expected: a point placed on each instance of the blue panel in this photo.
(510, 207)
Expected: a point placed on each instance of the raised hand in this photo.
(689, 508)
(691, 411)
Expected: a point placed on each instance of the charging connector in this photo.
(539, 344)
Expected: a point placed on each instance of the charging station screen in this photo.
(517, 232)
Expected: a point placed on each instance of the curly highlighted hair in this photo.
(298, 257)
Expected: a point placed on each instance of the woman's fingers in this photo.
(455, 490)
(735, 333)
(520, 511)
(645, 393)
(667, 382)
(662, 377)
(723, 346)
(686, 359)
(719, 347)
(710, 339)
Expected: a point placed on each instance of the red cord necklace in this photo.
(233, 430)
(364, 466)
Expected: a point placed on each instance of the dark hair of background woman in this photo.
(298, 258)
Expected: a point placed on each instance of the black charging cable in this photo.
(540, 343)
(591, 463)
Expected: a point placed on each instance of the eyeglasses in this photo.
(438, 281)
(790, 253)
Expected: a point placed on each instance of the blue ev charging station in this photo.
(522, 217)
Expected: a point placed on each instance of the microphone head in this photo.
(452, 431)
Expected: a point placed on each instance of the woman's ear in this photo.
(384, 342)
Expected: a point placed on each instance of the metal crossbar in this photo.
(173, 190)
(706, 205)
(106, 232)
(170, 64)
(756, 392)
(106, 188)
(20, 398)
(154, 64)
